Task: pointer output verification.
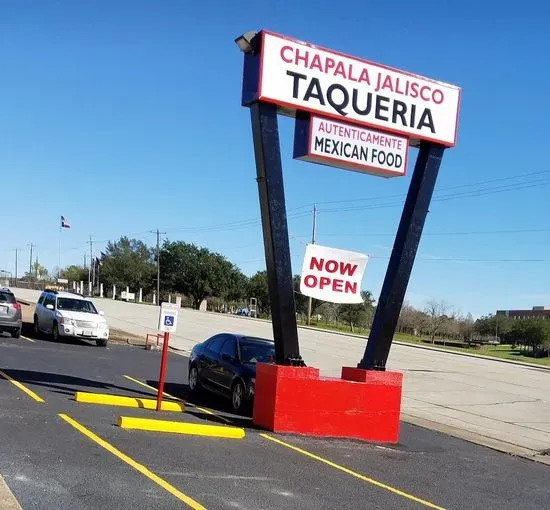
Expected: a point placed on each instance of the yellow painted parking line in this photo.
(201, 409)
(376, 483)
(27, 339)
(177, 427)
(22, 387)
(131, 462)
(122, 401)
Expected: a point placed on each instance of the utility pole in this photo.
(312, 242)
(30, 262)
(90, 268)
(16, 252)
(158, 261)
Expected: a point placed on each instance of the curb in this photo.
(123, 401)
(176, 427)
(7, 499)
(476, 438)
(425, 347)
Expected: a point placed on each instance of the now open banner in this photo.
(333, 275)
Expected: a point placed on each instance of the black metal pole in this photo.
(402, 257)
(269, 171)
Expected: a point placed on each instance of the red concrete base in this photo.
(363, 404)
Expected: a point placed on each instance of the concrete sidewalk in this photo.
(501, 405)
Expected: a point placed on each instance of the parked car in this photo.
(67, 314)
(10, 313)
(226, 364)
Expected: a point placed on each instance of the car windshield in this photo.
(76, 305)
(256, 351)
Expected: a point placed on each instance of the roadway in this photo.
(502, 405)
(57, 453)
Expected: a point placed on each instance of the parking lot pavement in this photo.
(62, 454)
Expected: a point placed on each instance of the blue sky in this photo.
(125, 116)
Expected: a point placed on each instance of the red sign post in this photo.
(168, 320)
(162, 375)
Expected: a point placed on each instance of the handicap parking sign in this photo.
(168, 317)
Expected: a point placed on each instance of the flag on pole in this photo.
(64, 223)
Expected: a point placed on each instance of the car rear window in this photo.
(7, 297)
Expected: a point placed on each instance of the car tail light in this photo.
(17, 306)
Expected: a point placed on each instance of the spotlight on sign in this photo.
(245, 41)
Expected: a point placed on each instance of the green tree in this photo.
(74, 273)
(257, 288)
(38, 272)
(358, 314)
(197, 272)
(237, 285)
(128, 262)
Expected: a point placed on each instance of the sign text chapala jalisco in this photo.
(332, 275)
(298, 76)
(350, 146)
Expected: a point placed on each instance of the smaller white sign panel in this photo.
(127, 295)
(168, 317)
(329, 142)
(333, 275)
(62, 280)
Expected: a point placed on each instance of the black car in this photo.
(226, 364)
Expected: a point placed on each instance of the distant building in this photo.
(537, 312)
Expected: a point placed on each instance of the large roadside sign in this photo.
(299, 76)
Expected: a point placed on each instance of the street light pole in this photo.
(158, 261)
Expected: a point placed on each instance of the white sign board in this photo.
(349, 146)
(299, 76)
(332, 275)
(62, 280)
(168, 317)
(127, 295)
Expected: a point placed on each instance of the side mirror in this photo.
(101, 312)
(228, 357)
(49, 307)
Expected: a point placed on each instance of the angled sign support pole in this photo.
(402, 258)
(271, 191)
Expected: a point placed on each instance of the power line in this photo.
(472, 184)
(453, 196)
(473, 232)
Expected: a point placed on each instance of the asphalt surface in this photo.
(494, 403)
(49, 464)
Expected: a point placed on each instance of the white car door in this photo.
(48, 315)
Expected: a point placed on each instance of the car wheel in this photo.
(193, 379)
(36, 329)
(237, 396)
(55, 332)
(101, 342)
(16, 333)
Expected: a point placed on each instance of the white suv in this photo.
(67, 314)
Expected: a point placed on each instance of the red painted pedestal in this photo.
(363, 404)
